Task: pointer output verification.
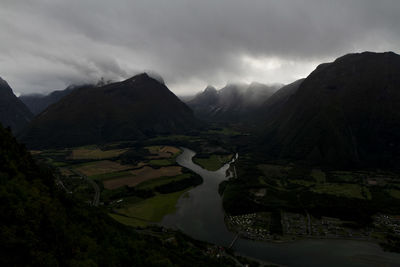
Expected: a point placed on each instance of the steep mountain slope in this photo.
(345, 113)
(13, 113)
(273, 105)
(233, 103)
(38, 102)
(135, 108)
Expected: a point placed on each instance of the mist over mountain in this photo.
(135, 108)
(233, 103)
(13, 113)
(39, 102)
(344, 113)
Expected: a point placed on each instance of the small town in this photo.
(257, 226)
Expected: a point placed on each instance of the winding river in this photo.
(200, 215)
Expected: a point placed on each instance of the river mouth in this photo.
(200, 215)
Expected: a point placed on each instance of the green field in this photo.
(394, 193)
(59, 164)
(224, 131)
(108, 176)
(274, 171)
(303, 182)
(93, 152)
(161, 162)
(172, 138)
(212, 163)
(344, 176)
(151, 209)
(318, 175)
(150, 184)
(134, 222)
(342, 190)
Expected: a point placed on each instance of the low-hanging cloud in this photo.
(48, 45)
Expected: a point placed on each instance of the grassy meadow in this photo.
(213, 162)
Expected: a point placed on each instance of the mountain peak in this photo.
(138, 77)
(145, 77)
(210, 89)
(142, 75)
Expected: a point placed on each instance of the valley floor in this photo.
(139, 183)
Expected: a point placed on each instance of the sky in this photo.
(46, 45)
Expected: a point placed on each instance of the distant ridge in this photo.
(38, 102)
(233, 103)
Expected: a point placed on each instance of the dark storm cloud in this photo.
(47, 44)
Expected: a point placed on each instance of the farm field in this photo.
(141, 175)
(162, 152)
(213, 162)
(150, 210)
(110, 175)
(101, 167)
(343, 190)
(150, 184)
(95, 153)
(134, 222)
(138, 183)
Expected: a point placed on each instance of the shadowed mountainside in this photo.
(344, 113)
(272, 106)
(135, 108)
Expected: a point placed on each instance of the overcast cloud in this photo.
(49, 44)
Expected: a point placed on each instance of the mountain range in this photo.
(344, 113)
(233, 103)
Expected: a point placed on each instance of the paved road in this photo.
(96, 199)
